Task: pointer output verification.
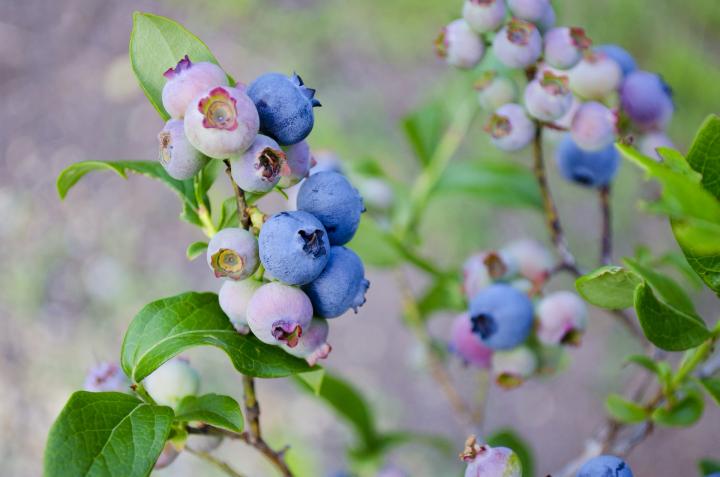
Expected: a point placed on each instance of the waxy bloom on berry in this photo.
(501, 316)
(513, 367)
(564, 46)
(467, 345)
(258, 169)
(484, 15)
(561, 318)
(518, 44)
(279, 314)
(234, 297)
(233, 253)
(186, 81)
(510, 128)
(593, 126)
(595, 76)
(313, 345)
(177, 156)
(486, 461)
(548, 98)
(459, 45)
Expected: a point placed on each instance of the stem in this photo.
(606, 240)
(239, 198)
(216, 462)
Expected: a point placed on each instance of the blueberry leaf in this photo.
(214, 409)
(443, 294)
(685, 412)
(643, 361)
(166, 327)
(510, 439)
(666, 287)
(424, 128)
(704, 154)
(196, 249)
(374, 245)
(709, 466)
(609, 287)
(666, 327)
(625, 411)
(106, 434)
(712, 386)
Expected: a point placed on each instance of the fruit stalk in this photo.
(239, 198)
(606, 239)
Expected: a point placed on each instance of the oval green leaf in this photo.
(625, 411)
(609, 287)
(685, 412)
(214, 409)
(168, 326)
(672, 293)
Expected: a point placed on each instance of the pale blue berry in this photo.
(595, 76)
(279, 314)
(587, 168)
(233, 253)
(518, 44)
(258, 169)
(510, 128)
(593, 126)
(494, 90)
(484, 15)
(564, 46)
(186, 81)
(177, 156)
(605, 466)
(459, 45)
(548, 98)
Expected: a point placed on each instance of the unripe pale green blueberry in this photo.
(186, 81)
(298, 161)
(234, 297)
(167, 456)
(459, 45)
(518, 44)
(561, 318)
(533, 259)
(483, 268)
(313, 345)
(593, 127)
(177, 156)
(649, 143)
(510, 128)
(233, 253)
(171, 382)
(258, 169)
(595, 76)
(486, 461)
(513, 367)
(221, 121)
(484, 15)
(494, 90)
(548, 98)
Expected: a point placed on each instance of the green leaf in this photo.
(666, 327)
(214, 409)
(704, 154)
(698, 241)
(313, 380)
(609, 287)
(678, 261)
(156, 44)
(685, 412)
(709, 466)
(625, 411)
(168, 326)
(712, 386)
(643, 361)
(667, 288)
(196, 249)
(423, 129)
(443, 294)
(374, 245)
(106, 434)
(510, 439)
(498, 183)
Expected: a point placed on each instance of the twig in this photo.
(606, 239)
(225, 467)
(239, 198)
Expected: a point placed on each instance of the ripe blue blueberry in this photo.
(530, 10)
(548, 98)
(258, 169)
(177, 156)
(494, 90)
(233, 253)
(171, 382)
(518, 44)
(593, 126)
(313, 345)
(588, 168)
(605, 466)
(285, 106)
(234, 297)
(459, 45)
(331, 198)
(501, 316)
(620, 56)
(486, 461)
(341, 286)
(467, 345)
(294, 247)
(106, 376)
(511, 368)
(298, 161)
(484, 15)
(646, 99)
(564, 46)
(595, 76)
(186, 81)
(279, 314)
(510, 128)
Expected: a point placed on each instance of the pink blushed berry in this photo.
(298, 161)
(484, 15)
(529, 10)
(486, 461)
(593, 127)
(467, 345)
(234, 297)
(279, 314)
(561, 318)
(186, 81)
(564, 47)
(518, 44)
(548, 98)
(534, 260)
(649, 144)
(459, 45)
(595, 77)
(510, 128)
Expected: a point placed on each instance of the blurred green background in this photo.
(75, 272)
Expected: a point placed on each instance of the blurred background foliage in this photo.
(74, 273)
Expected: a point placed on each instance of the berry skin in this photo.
(167, 456)
(172, 382)
(313, 345)
(486, 461)
(548, 20)
(294, 247)
(593, 126)
(221, 121)
(513, 367)
(529, 10)
(588, 168)
(106, 377)
(548, 98)
(484, 15)
(518, 44)
(203, 442)
(285, 106)
(646, 99)
(494, 90)
(501, 316)
(605, 466)
(177, 156)
(650, 142)
(186, 81)
(481, 269)
(561, 318)
(620, 56)
(258, 169)
(595, 76)
(234, 297)
(331, 198)
(533, 260)
(467, 345)
(510, 128)
(278, 314)
(298, 161)
(233, 253)
(340, 286)
(564, 47)
(459, 45)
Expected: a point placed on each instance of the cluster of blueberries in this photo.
(595, 94)
(505, 330)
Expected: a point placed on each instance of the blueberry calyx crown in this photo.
(441, 44)
(270, 162)
(226, 263)
(472, 449)
(288, 332)
(579, 38)
(308, 92)
(313, 244)
(183, 65)
(518, 31)
(219, 109)
(483, 325)
(495, 265)
(557, 85)
(498, 126)
(165, 140)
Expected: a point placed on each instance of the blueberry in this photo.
(294, 247)
(167, 456)
(285, 106)
(298, 161)
(467, 345)
(233, 253)
(484, 16)
(494, 90)
(313, 345)
(561, 318)
(186, 81)
(341, 286)
(501, 316)
(510, 128)
(279, 314)
(459, 45)
(234, 297)
(221, 121)
(564, 47)
(518, 44)
(593, 126)
(590, 169)
(650, 143)
(620, 56)
(548, 98)
(482, 268)
(530, 10)
(595, 76)
(171, 382)
(513, 367)
(331, 198)
(106, 377)
(533, 260)
(646, 99)
(605, 466)
(547, 22)
(177, 156)
(258, 169)
(486, 461)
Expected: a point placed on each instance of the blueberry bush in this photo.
(283, 278)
